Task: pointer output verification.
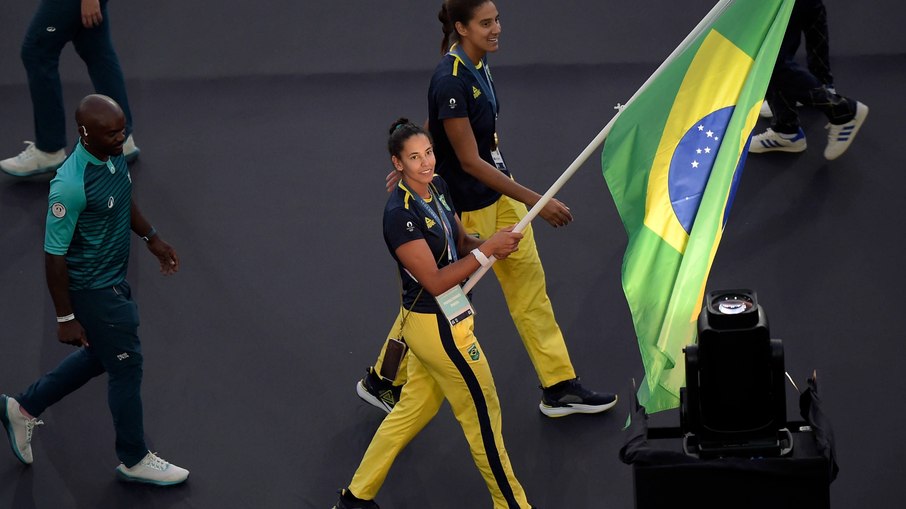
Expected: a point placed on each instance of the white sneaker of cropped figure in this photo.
(130, 151)
(765, 110)
(772, 141)
(32, 161)
(153, 470)
(19, 428)
(840, 136)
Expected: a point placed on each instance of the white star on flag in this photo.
(694, 153)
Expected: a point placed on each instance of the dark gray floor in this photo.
(271, 191)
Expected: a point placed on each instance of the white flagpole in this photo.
(705, 23)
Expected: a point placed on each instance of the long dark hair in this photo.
(453, 11)
(400, 131)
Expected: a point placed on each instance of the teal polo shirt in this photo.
(89, 217)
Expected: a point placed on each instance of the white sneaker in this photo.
(130, 151)
(772, 141)
(32, 161)
(153, 470)
(840, 136)
(19, 428)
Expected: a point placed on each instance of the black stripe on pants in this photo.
(481, 407)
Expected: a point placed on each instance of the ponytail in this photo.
(447, 26)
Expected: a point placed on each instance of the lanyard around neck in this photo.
(438, 217)
(484, 82)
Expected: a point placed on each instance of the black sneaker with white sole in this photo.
(377, 391)
(349, 501)
(569, 397)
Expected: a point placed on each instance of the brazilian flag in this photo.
(672, 162)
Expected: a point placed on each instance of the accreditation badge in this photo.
(455, 305)
(495, 154)
(498, 159)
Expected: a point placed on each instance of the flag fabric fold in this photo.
(672, 162)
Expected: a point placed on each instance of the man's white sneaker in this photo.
(840, 136)
(765, 110)
(32, 161)
(19, 428)
(130, 151)
(153, 470)
(772, 141)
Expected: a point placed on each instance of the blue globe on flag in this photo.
(691, 165)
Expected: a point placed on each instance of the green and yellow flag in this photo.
(672, 162)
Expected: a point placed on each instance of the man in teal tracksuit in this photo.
(89, 218)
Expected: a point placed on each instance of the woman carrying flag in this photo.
(462, 117)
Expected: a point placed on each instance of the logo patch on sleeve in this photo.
(452, 103)
(58, 210)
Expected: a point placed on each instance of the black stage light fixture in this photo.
(734, 402)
